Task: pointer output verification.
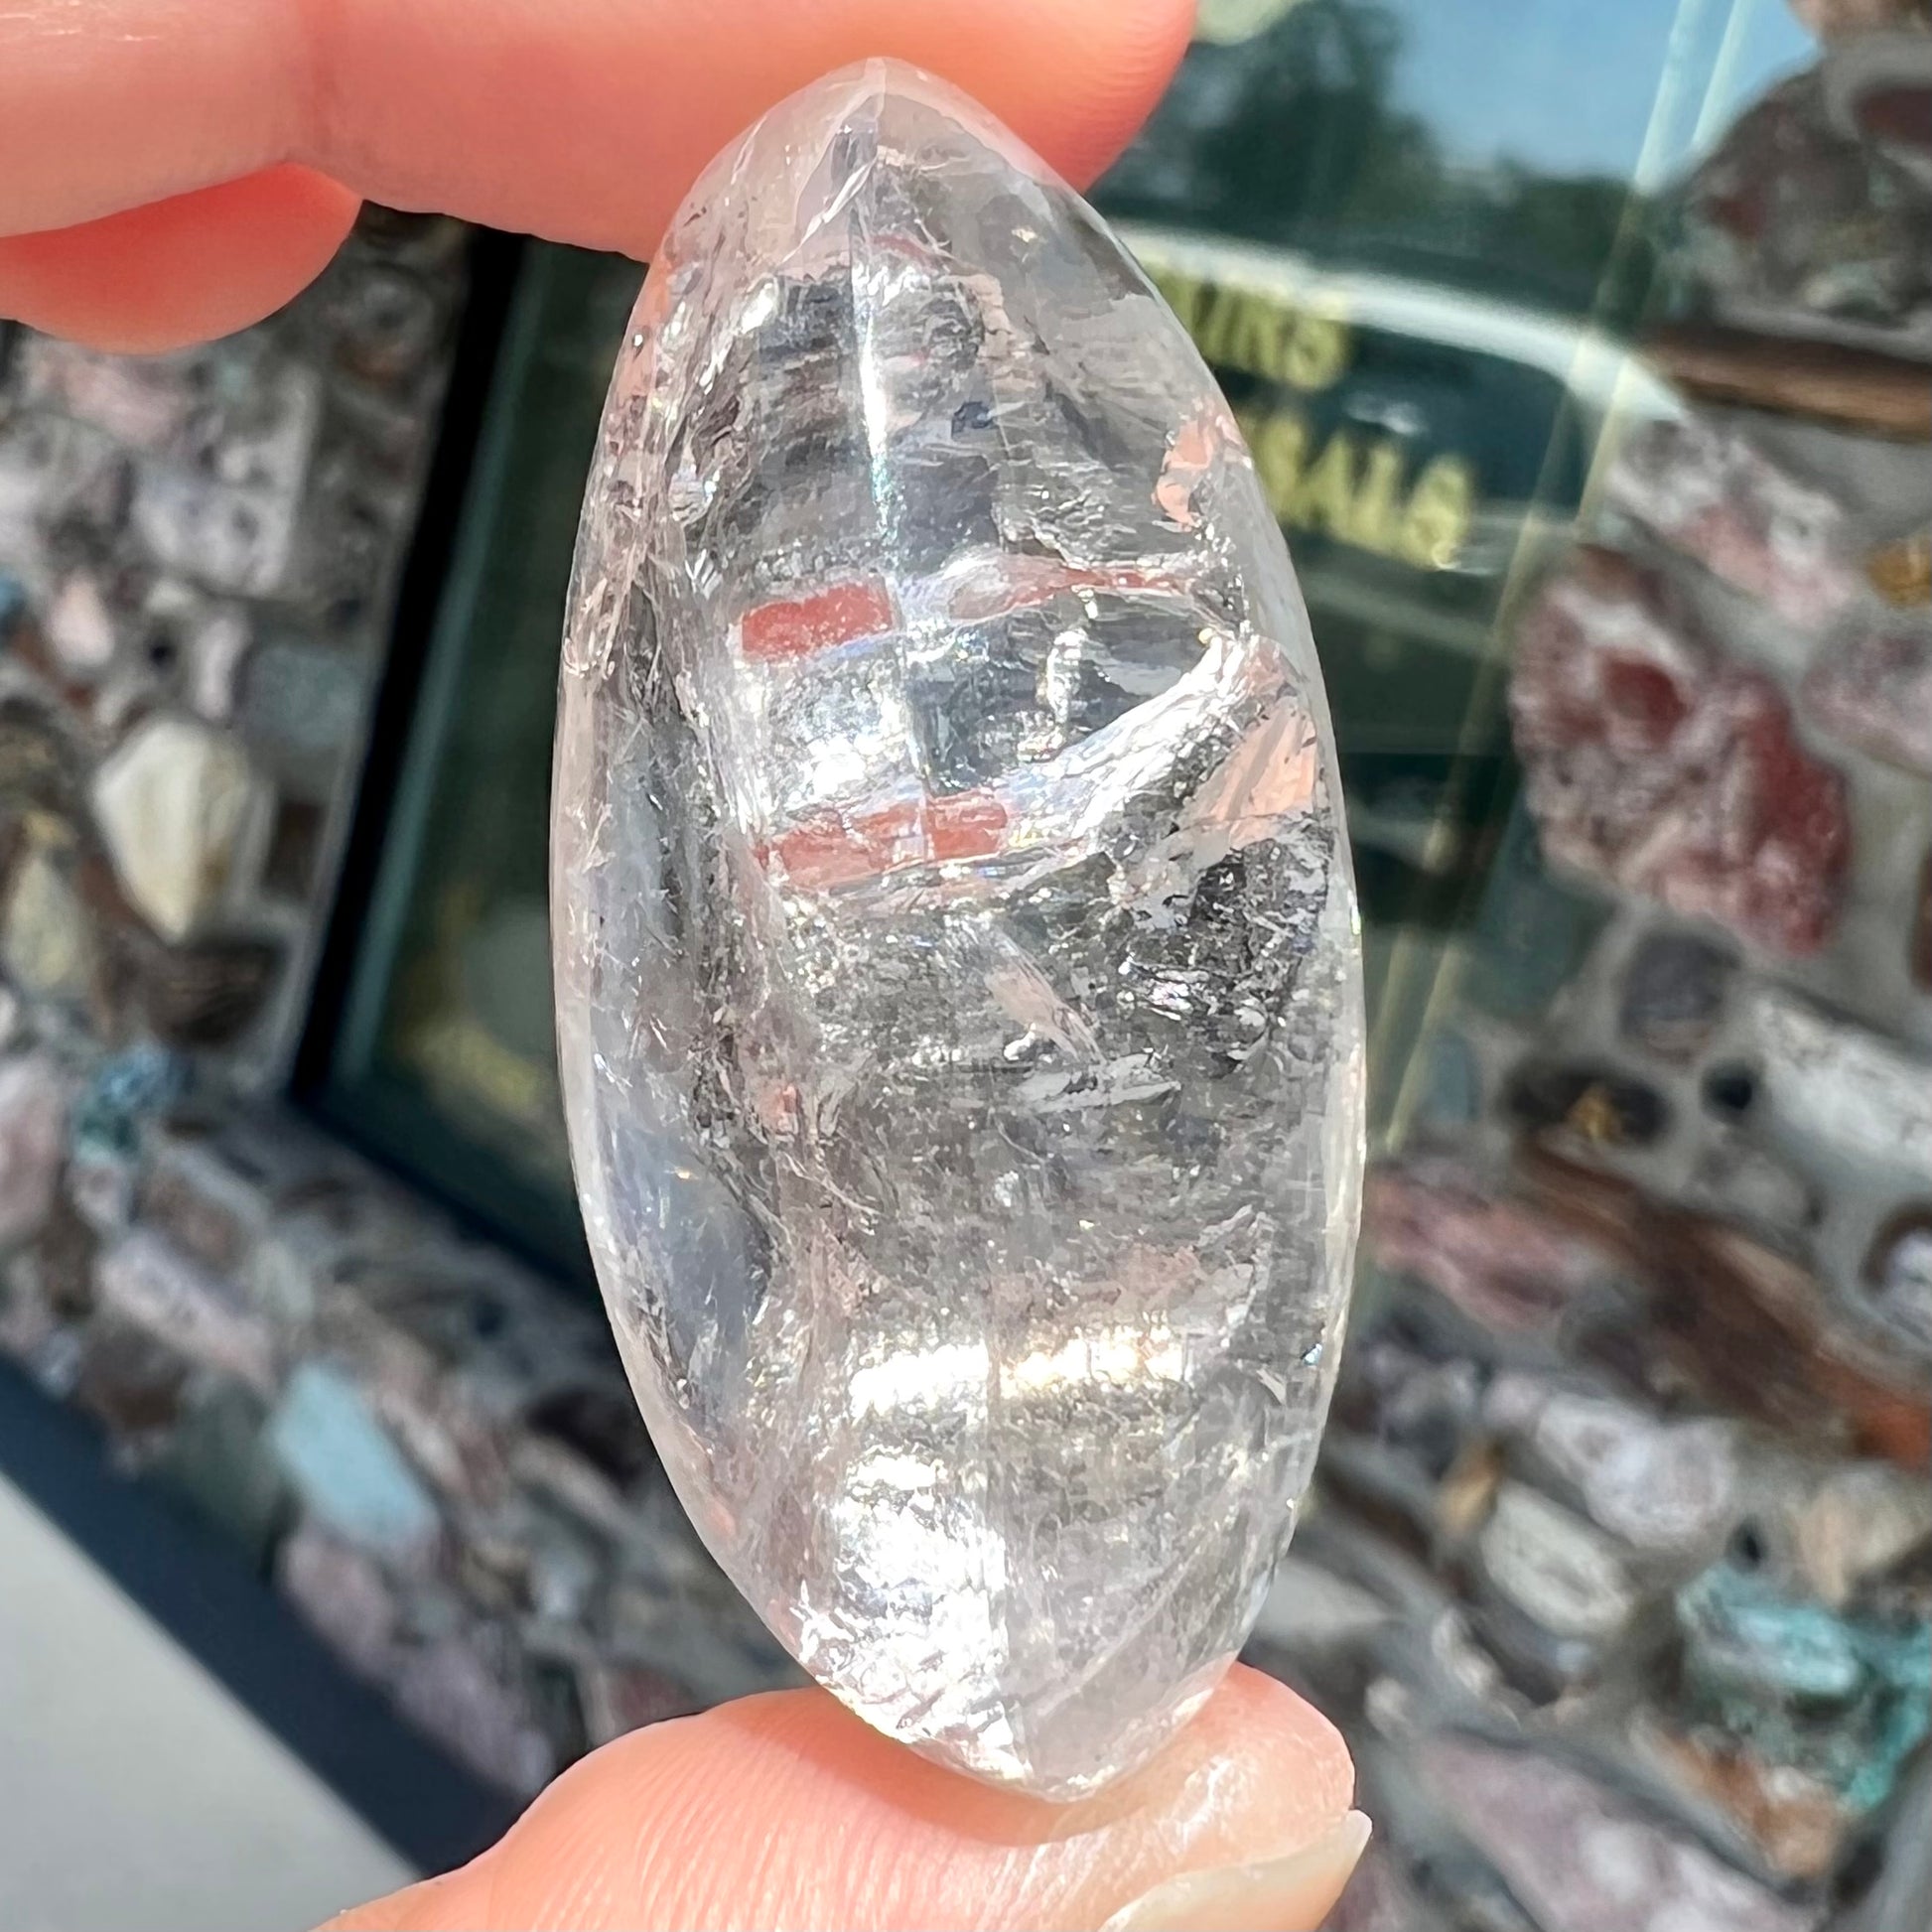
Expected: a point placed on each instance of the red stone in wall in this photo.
(1656, 766)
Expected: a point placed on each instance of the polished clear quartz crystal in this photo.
(957, 972)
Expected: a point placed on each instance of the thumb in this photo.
(786, 1810)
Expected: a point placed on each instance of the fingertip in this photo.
(1075, 80)
(1296, 1742)
(589, 123)
(1146, 42)
(181, 271)
(787, 1810)
(581, 120)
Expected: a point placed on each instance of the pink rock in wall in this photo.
(1656, 766)
(1498, 1259)
(1582, 1858)
(1715, 497)
(1875, 691)
(32, 1136)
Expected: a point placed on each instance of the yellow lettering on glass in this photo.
(1363, 495)
(1326, 498)
(1375, 519)
(1280, 443)
(1182, 295)
(1442, 508)
(1240, 328)
(1318, 352)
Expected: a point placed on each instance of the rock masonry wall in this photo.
(1620, 1572)
(429, 1451)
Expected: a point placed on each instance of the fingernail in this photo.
(1289, 1894)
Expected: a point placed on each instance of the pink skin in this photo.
(226, 145)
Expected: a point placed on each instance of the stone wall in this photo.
(198, 557)
(1619, 1572)
(428, 1449)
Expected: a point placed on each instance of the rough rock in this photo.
(185, 818)
(1659, 768)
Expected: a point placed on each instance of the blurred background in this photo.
(1585, 351)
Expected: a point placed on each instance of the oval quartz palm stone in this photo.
(956, 954)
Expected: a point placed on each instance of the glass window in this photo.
(1414, 248)
(443, 1059)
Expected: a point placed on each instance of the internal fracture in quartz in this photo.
(956, 956)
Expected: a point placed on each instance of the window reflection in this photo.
(1459, 301)
(446, 1058)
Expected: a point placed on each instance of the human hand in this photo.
(171, 170)
(786, 1810)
